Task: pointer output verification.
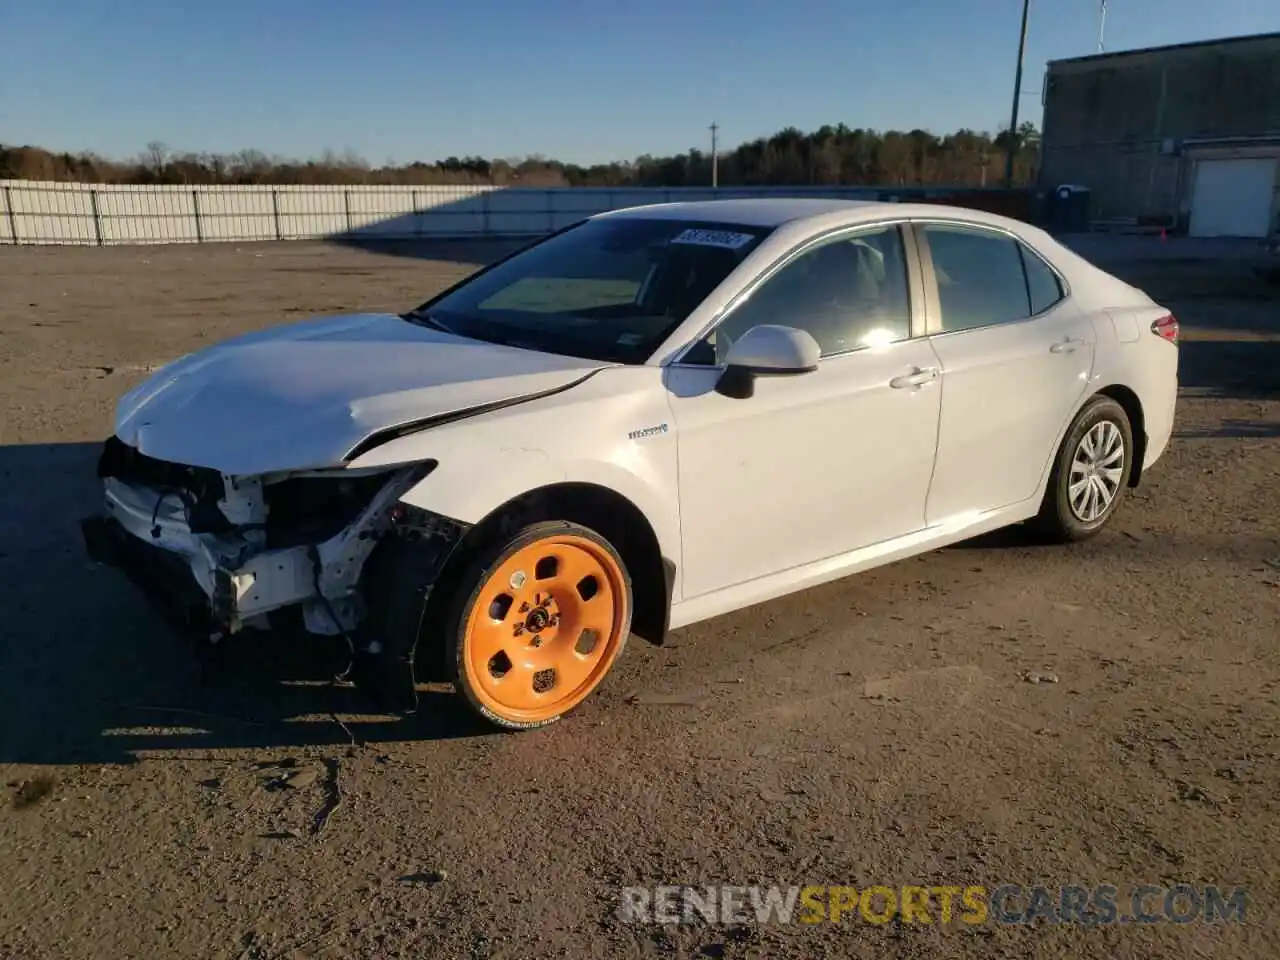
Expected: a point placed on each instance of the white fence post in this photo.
(97, 217)
(13, 220)
(195, 207)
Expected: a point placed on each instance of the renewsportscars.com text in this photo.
(942, 904)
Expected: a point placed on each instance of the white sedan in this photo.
(656, 416)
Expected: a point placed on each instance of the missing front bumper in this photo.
(207, 587)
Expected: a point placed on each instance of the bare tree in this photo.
(155, 157)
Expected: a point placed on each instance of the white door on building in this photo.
(1233, 198)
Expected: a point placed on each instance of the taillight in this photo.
(1166, 328)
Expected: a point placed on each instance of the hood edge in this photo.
(384, 436)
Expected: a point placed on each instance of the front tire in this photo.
(1090, 473)
(538, 623)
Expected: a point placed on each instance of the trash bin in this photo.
(1071, 208)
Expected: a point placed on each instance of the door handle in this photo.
(917, 378)
(1066, 346)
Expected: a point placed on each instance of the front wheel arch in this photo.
(603, 510)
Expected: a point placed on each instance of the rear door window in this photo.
(981, 280)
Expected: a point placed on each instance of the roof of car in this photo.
(748, 211)
(776, 211)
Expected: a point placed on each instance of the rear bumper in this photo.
(1160, 402)
(164, 577)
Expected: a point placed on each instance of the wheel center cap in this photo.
(537, 621)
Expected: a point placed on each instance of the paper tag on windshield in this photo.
(714, 238)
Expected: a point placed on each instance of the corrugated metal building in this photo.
(1185, 135)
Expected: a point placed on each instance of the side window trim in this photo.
(917, 292)
(1026, 279)
(934, 318)
(911, 258)
(930, 314)
(1025, 250)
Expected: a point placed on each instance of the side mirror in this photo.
(766, 350)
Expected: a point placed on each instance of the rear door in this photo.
(1016, 357)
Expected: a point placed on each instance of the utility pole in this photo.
(1012, 144)
(1102, 25)
(715, 158)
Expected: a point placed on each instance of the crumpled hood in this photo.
(303, 395)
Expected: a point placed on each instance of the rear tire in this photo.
(1090, 473)
(538, 622)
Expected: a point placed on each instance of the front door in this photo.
(813, 464)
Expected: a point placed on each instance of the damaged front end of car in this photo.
(218, 553)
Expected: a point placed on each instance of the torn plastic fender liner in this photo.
(375, 440)
(397, 583)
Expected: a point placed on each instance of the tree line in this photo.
(829, 155)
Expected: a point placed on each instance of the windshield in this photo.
(610, 289)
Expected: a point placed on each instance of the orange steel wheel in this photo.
(544, 622)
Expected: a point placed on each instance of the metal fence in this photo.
(33, 212)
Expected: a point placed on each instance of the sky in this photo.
(402, 80)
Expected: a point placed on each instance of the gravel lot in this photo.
(877, 731)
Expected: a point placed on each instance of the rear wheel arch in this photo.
(1059, 519)
(1132, 406)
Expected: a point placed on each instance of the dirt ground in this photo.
(876, 731)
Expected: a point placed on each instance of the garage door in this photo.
(1232, 198)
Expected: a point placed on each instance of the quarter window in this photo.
(1042, 283)
(848, 293)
